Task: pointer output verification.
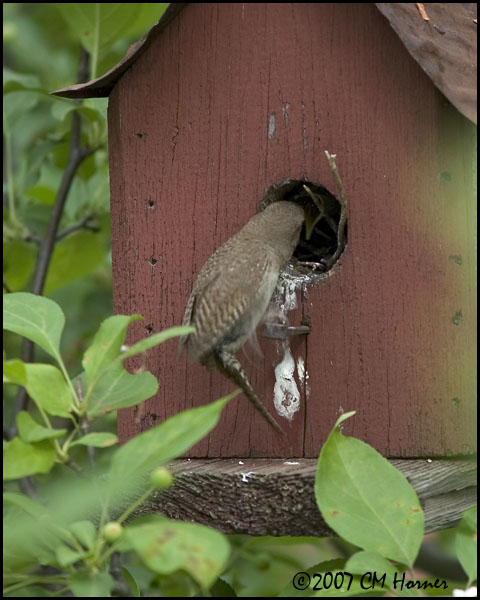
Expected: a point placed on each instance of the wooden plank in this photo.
(276, 497)
(234, 97)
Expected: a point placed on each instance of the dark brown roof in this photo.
(441, 37)
(445, 46)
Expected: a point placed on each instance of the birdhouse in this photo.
(224, 108)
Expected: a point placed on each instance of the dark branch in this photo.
(31, 237)
(83, 224)
(76, 155)
(121, 589)
(84, 424)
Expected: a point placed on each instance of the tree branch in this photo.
(76, 155)
(85, 223)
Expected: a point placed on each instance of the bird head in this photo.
(313, 209)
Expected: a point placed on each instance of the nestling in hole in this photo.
(321, 242)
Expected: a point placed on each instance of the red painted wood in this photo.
(191, 154)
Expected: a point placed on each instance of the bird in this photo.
(233, 289)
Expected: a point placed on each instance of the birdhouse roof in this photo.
(441, 37)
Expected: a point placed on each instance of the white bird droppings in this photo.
(303, 375)
(286, 396)
(290, 292)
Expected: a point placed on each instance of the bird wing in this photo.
(188, 317)
(227, 306)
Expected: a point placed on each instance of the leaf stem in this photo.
(96, 37)
(9, 170)
(136, 504)
(41, 580)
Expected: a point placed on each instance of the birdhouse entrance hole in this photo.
(317, 255)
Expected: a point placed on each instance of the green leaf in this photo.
(20, 459)
(98, 25)
(343, 418)
(222, 589)
(31, 507)
(131, 582)
(13, 81)
(30, 431)
(20, 95)
(301, 585)
(166, 546)
(177, 585)
(99, 440)
(116, 388)
(36, 318)
(377, 574)
(106, 343)
(63, 108)
(24, 544)
(28, 591)
(168, 440)
(156, 339)
(44, 189)
(59, 155)
(85, 533)
(366, 500)
(74, 257)
(91, 585)
(46, 385)
(113, 387)
(470, 518)
(18, 263)
(42, 194)
(66, 556)
(16, 104)
(14, 372)
(368, 562)
(147, 15)
(466, 543)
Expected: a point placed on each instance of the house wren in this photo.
(234, 287)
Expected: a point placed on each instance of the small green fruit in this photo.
(112, 531)
(161, 478)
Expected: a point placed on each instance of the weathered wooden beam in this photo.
(276, 496)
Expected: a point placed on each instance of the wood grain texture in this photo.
(234, 97)
(273, 497)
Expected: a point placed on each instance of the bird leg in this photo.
(229, 366)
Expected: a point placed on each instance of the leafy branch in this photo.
(77, 154)
(56, 530)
